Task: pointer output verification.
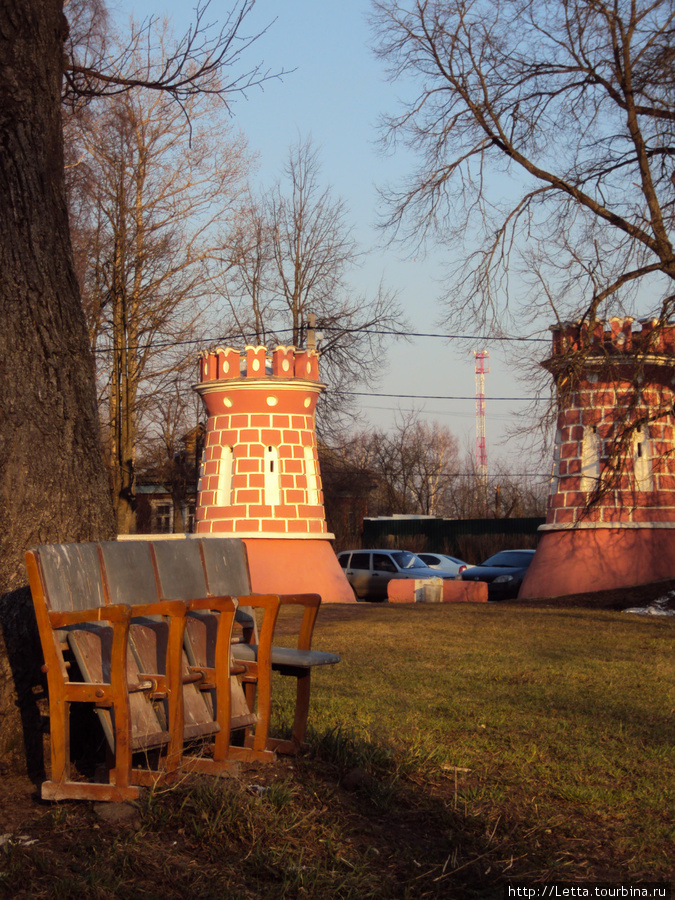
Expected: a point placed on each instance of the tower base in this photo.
(585, 559)
(297, 566)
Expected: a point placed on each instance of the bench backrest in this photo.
(83, 576)
(72, 577)
(180, 569)
(129, 572)
(226, 565)
(75, 579)
(227, 574)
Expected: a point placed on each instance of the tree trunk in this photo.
(53, 484)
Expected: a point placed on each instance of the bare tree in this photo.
(504, 495)
(433, 451)
(416, 468)
(294, 257)
(546, 144)
(350, 488)
(412, 468)
(161, 190)
(545, 132)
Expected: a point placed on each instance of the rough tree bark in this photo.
(53, 485)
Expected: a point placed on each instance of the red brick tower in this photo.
(614, 447)
(260, 477)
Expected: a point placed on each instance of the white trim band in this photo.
(616, 526)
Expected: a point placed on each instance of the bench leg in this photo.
(223, 704)
(296, 744)
(250, 690)
(59, 743)
(60, 786)
(255, 747)
(301, 708)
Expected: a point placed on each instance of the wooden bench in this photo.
(146, 627)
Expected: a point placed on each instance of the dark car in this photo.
(370, 571)
(503, 573)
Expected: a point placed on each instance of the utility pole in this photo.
(482, 368)
(311, 333)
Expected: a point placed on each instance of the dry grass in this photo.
(454, 749)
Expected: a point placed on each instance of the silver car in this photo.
(370, 571)
(443, 561)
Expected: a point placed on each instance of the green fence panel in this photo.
(453, 536)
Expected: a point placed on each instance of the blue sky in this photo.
(336, 94)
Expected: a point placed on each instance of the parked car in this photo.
(443, 561)
(503, 572)
(370, 571)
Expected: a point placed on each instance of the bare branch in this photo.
(199, 62)
(543, 122)
(292, 258)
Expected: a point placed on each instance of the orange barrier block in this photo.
(401, 591)
(465, 592)
(415, 590)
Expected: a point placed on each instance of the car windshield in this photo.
(405, 560)
(510, 559)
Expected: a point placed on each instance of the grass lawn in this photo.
(455, 749)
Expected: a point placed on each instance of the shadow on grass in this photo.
(301, 835)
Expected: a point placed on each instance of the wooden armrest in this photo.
(271, 604)
(116, 613)
(311, 603)
(219, 604)
(173, 608)
(260, 601)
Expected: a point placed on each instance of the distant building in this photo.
(166, 492)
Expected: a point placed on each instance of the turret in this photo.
(611, 513)
(260, 477)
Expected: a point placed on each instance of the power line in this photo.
(187, 342)
(435, 396)
(434, 335)
(425, 334)
(171, 391)
(544, 476)
(503, 416)
(507, 475)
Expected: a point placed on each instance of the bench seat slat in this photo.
(287, 656)
(91, 648)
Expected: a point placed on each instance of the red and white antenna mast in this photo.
(482, 368)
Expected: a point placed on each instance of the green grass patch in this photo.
(454, 749)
